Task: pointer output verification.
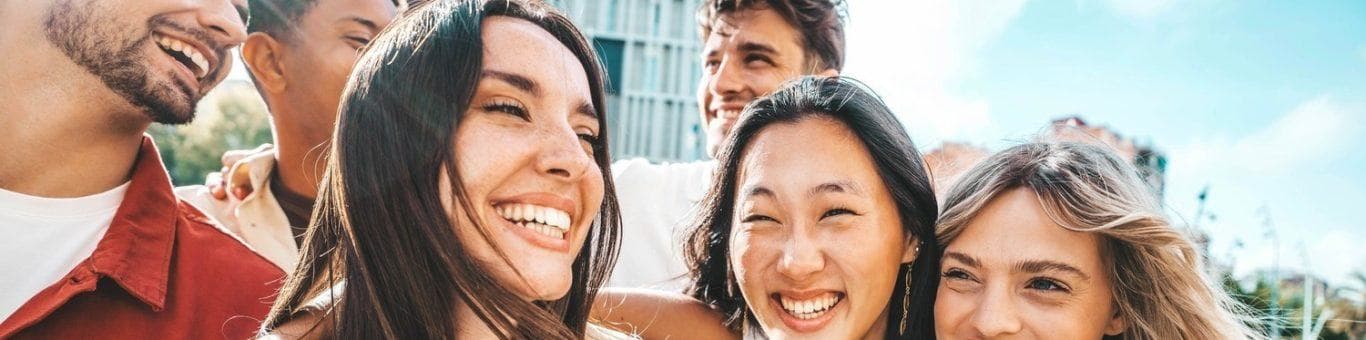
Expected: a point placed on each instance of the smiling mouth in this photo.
(728, 114)
(551, 222)
(185, 53)
(810, 308)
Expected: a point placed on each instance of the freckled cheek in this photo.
(485, 158)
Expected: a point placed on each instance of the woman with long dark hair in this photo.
(819, 224)
(467, 192)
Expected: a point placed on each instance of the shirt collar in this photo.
(136, 251)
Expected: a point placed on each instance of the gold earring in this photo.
(906, 298)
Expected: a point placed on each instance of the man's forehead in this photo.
(373, 10)
(761, 26)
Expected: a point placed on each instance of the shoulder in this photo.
(658, 314)
(202, 239)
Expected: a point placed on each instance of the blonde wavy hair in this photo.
(1159, 286)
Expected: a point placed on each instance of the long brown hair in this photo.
(1159, 287)
(379, 225)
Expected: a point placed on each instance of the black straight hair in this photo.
(380, 225)
(899, 165)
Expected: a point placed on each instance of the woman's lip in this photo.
(537, 239)
(806, 294)
(808, 325)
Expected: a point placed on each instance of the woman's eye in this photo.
(837, 212)
(590, 142)
(757, 218)
(508, 108)
(957, 274)
(1046, 285)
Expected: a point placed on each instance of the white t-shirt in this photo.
(43, 239)
(658, 201)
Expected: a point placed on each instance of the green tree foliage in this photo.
(231, 117)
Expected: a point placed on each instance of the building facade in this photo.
(650, 49)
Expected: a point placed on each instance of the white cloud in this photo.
(914, 54)
(1271, 167)
(1316, 129)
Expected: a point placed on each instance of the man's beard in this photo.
(114, 53)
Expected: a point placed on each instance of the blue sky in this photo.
(1263, 102)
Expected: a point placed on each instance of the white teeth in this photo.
(555, 221)
(810, 308)
(201, 63)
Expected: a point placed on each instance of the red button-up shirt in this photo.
(163, 270)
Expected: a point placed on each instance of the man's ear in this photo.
(829, 72)
(1116, 325)
(264, 58)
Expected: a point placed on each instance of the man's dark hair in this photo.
(820, 23)
(276, 17)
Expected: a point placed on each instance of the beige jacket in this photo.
(257, 219)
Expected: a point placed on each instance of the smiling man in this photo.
(299, 53)
(93, 241)
(750, 48)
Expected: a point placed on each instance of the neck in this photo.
(63, 132)
(300, 161)
(469, 326)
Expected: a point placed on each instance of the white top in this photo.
(658, 201)
(257, 220)
(43, 239)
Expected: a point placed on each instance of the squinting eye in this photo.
(957, 274)
(837, 212)
(1045, 285)
(590, 142)
(757, 60)
(508, 107)
(757, 218)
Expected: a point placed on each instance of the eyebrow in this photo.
(755, 190)
(750, 46)
(830, 187)
(520, 82)
(964, 258)
(1039, 266)
(1028, 266)
(745, 47)
(362, 21)
(836, 187)
(587, 109)
(529, 86)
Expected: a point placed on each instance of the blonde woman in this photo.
(1063, 241)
